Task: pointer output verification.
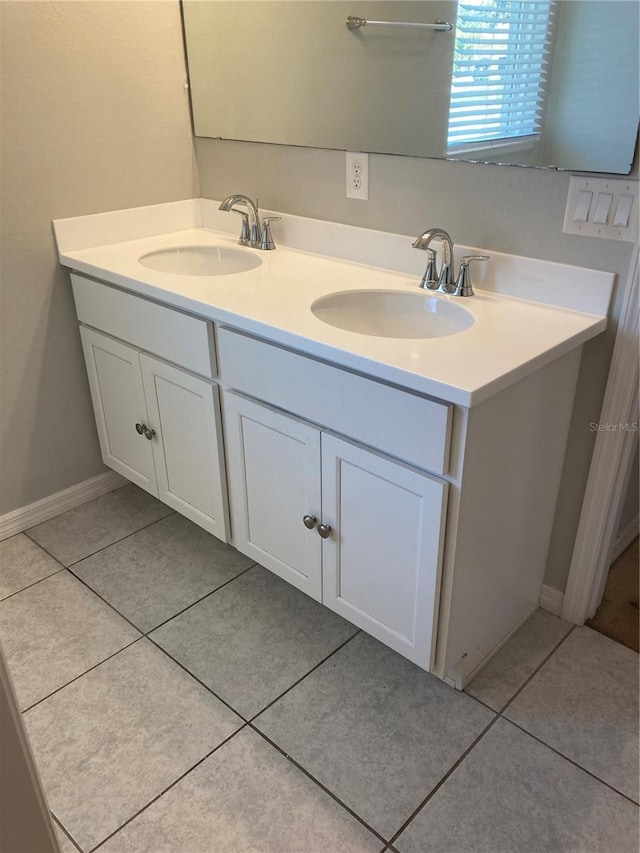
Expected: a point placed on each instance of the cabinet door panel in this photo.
(185, 413)
(382, 561)
(118, 401)
(274, 476)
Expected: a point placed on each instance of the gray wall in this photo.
(94, 117)
(505, 208)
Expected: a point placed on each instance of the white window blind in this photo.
(500, 71)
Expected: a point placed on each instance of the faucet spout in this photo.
(443, 281)
(254, 218)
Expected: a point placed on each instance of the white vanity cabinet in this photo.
(438, 516)
(350, 526)
(158, 425)
(435, 460)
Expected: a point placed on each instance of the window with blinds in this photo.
(501, 66)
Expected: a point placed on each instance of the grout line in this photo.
(144, 635)
(319, 784)
(535, 671)
(77, 677)
(193, 603)
(538, 739)
(42, 548)
(128, 536)
(123, 538)
(524, 683)
(446, 776)
(168, 788)
(63, 829)
(479, 701)
(302, 678)
(498, 716)
(104, 600)
(151, 630)
(98, 550)
(224, 702)
(195, 678)
(571, 761)
(34, 583)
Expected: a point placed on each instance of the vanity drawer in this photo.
(405, 425)
(177, 337)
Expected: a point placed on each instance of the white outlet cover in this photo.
(357, 175)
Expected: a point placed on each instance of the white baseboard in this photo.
(625, 538)
(35, 513)
(551, 599)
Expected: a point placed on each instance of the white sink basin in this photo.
(393, 314)
(201, 260)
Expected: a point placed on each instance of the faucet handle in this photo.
(245, 233)
(267, 240)
(429, 280)
(463, 282)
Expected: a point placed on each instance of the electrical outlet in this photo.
(357, 175)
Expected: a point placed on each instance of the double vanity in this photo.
(393, 452)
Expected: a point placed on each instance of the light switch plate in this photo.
(617, 188)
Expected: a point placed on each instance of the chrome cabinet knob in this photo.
(324, 530)
(149, 433)
(140, 428)
(309, 521)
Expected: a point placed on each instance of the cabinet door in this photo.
(274, 481)
(184, 411)
(119, 404)
(381, 562)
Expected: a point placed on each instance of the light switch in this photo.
(583, 203)
(603, 206)
(623, 211)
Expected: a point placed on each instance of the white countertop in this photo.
(511, 336)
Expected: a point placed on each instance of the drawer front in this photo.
(402, 424)
(166, 332)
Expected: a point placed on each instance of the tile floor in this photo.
(180, 699)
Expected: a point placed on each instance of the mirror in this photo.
(550, 83)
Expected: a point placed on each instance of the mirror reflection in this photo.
(537, 82)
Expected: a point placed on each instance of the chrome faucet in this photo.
(251, 234)
(443, 282)
(432, 280)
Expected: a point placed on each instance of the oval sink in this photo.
(201, 260)
(392, 314)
